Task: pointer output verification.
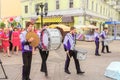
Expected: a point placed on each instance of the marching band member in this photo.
(96, 37)
(104, 36)
(69, 45)
(26, 52)
(43, 52)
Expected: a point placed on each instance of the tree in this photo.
(14, 23)
(2, 25)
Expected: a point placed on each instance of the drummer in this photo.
(26, 52)
(43, 52)
(69, 45)
(96, 39)
(104, 36)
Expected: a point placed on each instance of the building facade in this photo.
(71, 12)
(9, 10)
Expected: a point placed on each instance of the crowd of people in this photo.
(14, 39)
(44, 52)
(9, 40)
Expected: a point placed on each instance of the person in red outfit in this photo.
(5, 41)
(1, 32)
(15, 40)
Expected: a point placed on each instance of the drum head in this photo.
(36, 40)
(51, 38)
(81, 54)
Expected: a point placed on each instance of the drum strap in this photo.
(43, 46)
(72, 37)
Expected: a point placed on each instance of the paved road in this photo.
(94, 66)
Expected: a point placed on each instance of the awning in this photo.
(92, 26)
(64, 27)
(86, 26)
(112, 22)
(50, 19)
(56, 19)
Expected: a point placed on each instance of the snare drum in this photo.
(107, 41)
(81, 54)
(51, 38)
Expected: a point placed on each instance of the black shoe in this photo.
(46, 74)
(42, 70)
(67, 71)
(28, 79)
(109, 52)
(80, 72)
(103, 52)
(24, 79)
(97, 54)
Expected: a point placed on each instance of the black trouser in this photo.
(44, 56)
(67, 62)
(103, 47)
(97, 47)
(27, 58)
(11, 45)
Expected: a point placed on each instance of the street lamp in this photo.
(41, 6)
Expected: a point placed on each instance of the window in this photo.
(101, 9)
(87, 4)
(93, 5)
(96, 7)
(57, 4)
(71, 4)
(26, 9)
(36, 6)
(104, 10)
(109, 14)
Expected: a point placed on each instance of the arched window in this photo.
(70, 3)
(57, 4)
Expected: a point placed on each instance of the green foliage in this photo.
(2, 25)
(14, 23)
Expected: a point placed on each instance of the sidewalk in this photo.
(94, 66)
